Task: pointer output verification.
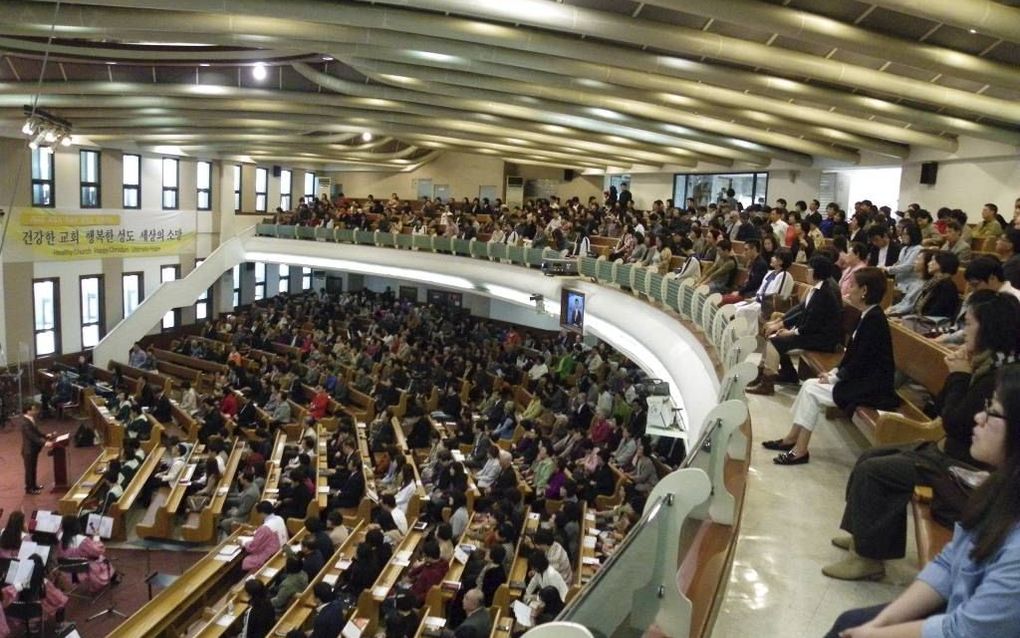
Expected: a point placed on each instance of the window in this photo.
(89, 161)
(284, 278)
(285, 189)
(132, 181)
(306, 279)
(202, 303)
(309, 185)
(237, 286)
(260, 280)
(172, 318)
(91, 287)
(261, 190)
(46, 304)
(134, 291)
(237, 188)
(42, 177)
(171, 177)
(204, 182)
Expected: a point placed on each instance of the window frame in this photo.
(306, 278)
(261, 197)
(176, 188)
(36, 159)
(126, 187)
(174, 313)
(286, 194)
(83, 185)
(141, 291)
(312, 194)
(101, 310)
(55, 329)
(199, 191)
(203, 299)
(235, 275)
(259, 295)
(283, 281)
(238, 183)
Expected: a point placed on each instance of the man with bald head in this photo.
(476, 615)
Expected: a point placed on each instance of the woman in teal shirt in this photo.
(972, 588)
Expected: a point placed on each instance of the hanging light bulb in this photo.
(259, 71)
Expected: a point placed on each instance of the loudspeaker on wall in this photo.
(929, 172)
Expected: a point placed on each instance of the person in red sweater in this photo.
(426, 573)
(228, 404)
(319, 403)
(601, 428)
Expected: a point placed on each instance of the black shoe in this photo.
(33, 490)
(777, 445)
(788, 379)
(787, 458)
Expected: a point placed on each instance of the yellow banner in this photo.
(36, 234)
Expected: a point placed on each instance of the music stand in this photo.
(104, 526)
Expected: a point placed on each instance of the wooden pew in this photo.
(364, 510)
(220, 617)
(85, 487)
(271, 490)
(362, 406)
(506, 594)
(170, 612)
(300, 612)
(931, 536)
(923, 361)
(109, 429)
(200, 527)
(158, 517)
(439, 596)
(370, 600)
(154, 379)
(118, 511)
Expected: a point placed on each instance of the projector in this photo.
(561, 267)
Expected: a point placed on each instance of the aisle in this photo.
(776, 587)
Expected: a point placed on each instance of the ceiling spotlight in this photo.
(45, 129)
(65, 141)
(259, 71)
(972, 31)
(26, 128)
(32, 145)
(327, 58)
(203, 64)
(366, 137)
(51, 137)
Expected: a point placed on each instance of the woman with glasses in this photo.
(969, 589)
(883, 479)
(903, 271)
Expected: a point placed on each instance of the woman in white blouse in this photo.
(777, 282)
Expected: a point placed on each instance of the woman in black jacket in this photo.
(863, 377)
(883, 479)
(939, 296)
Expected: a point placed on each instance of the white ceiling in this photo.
(587, 84)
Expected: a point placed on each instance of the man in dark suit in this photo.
(813, 324)
(476, 616)
(332, 613)
(32, 443)
(884, 251)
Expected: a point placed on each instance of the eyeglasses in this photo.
(990, 413)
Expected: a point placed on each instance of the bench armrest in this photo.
(893, 428)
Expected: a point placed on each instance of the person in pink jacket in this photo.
(53, 600)
(75, 545)
(263, 545)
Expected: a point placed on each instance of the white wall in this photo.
(793, 185)
(979, 172)
(648, 187)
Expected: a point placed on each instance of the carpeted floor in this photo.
(134, 559)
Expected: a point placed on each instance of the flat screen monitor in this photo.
(572, 310)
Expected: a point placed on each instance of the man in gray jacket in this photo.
(240, 505)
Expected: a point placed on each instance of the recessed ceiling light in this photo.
(366, 137)
(203, 64)
(972, 30)
(259, 71)
(327, 58)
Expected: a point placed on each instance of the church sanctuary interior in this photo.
(501, 319)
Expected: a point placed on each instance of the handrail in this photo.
(704, 443)
(650, 513)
